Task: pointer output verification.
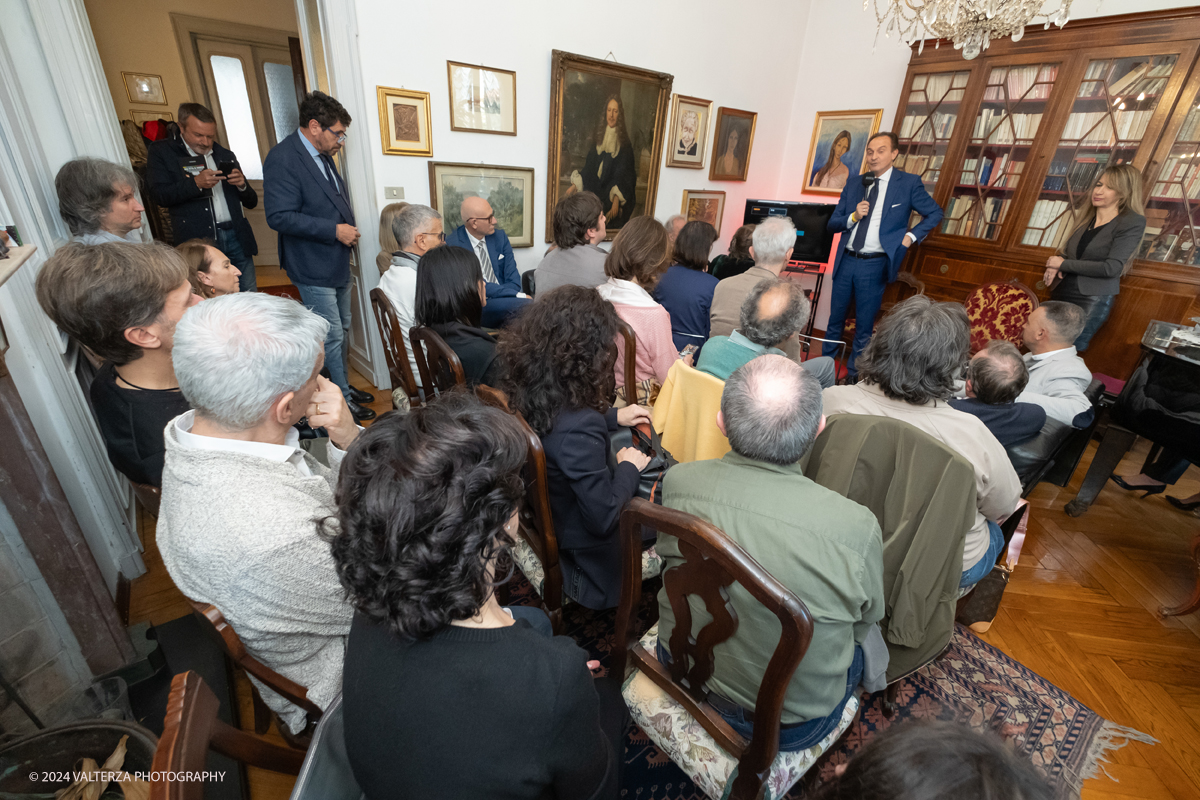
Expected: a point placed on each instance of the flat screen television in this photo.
(813, 239)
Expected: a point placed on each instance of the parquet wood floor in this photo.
(1081, 611)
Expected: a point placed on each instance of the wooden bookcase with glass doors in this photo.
(1011, 142)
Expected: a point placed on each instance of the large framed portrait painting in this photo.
(607, 124)
(839, 148)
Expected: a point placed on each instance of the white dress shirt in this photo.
(288, 452)
(872, 243)
(399, 283)
(220, 207)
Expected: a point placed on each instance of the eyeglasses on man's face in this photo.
(489, 218)
(441, 236)
(340, 135)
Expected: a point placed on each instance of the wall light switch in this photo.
(393, 192)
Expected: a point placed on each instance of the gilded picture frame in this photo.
(687, 142)
(144, 88)
(840, 136)
(607, 125)
(730, 159)
(482, 99)
(509, 190)
(405, 126)
(704, 205)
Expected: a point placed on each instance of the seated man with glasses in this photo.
(418, 229)
(307, 204)
(491, 247)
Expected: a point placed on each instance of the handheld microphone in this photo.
(868, 180)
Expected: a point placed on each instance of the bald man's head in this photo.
(477, 216)
(774, 311)
(771, 410)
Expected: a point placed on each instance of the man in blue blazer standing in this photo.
(490, 244)
(875, 241)
(308, 206)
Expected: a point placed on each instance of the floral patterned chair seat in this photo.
(684, 740)
(999, 311)
(527, 561)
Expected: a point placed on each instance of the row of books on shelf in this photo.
(1096, 127)
(1190, 130)
(1019, 82)
(1179, 248)
(931, 96)
(938, 86)
(997, 171)
(1080, 173)
(967, 216)
(1146, 77)
(1180, 176)
(927, 127)
(916, 165)
(1047, 222)
(991, 123)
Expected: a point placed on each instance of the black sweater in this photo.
(132, 422)
(473, 713)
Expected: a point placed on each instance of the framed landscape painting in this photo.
(839, 148)
(404, 122)
(509, 190)
(607, 124)
(732, 141)
(688, 139)
(704, 206)
(482, 99)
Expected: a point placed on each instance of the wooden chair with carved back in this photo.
(218, 628)
(711, 563)
(536, 523)
(629, 373)
(439, 366)
(394, 348)
(149, 496)
(191, 728)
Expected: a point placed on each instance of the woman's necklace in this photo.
(142, 388)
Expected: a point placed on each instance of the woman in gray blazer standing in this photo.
(1087, 270)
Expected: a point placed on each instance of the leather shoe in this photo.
(1182, 506)
(361, 413)
(1148, 490)
(361, 397)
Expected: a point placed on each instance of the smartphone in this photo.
(226, 167)
(687, 351)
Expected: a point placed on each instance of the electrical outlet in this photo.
(393, 192)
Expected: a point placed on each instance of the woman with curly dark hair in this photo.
(559, 360)
(435, 667)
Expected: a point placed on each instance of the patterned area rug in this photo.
(972, 683)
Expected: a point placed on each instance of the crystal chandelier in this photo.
(970, 24)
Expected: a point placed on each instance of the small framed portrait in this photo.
(704, 206)
(688, 138)
(482, 99)
(607, 126)
(146, 89)
(404, 124)
(509, 190)
(731, 145)
(142, 117)
(839, 148)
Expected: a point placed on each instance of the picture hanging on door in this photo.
(142, 117)
(143, 88)
(404, 124)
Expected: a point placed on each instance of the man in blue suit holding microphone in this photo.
(873, 213)
(491, 247)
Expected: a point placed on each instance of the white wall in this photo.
(716, 51)
(839, 70)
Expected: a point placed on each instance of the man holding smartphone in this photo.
(202, 185)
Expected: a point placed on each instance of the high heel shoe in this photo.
(1182, 506)
(1146, 490)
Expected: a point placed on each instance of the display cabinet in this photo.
(1011, 144)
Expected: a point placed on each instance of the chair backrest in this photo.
(529, 283)
(394, 348)
(439, 366)
(999, 311)
(214, 622)
(326, 774)
(625, 331)
(150, 496)
(711, 562)
(191, 728)
(537, 523)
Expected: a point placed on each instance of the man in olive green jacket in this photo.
(824, 548)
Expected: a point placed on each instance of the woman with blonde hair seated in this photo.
(210, 271)
(640, 255)
(388, 246)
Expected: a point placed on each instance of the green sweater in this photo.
(723, 355)
(824, 548)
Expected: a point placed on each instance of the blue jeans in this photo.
(334, 305)
(791, 737)
(228, 243)
(863, 281)
(978, 572)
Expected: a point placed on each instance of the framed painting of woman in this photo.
(607, 126)
(731, 145)
(839, 148)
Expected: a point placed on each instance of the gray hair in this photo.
(918, 351)
(85, 188)
(772, 239)
(693, 116)
(772, 331)
(772, 410)
(671, 220)
(1067, 320)
(235, 355)
(411, 221)
(998, 375)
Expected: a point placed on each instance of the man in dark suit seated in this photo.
(308, 205)
(995, 377)
(205, 203)
(491, 247)
(122, 302)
